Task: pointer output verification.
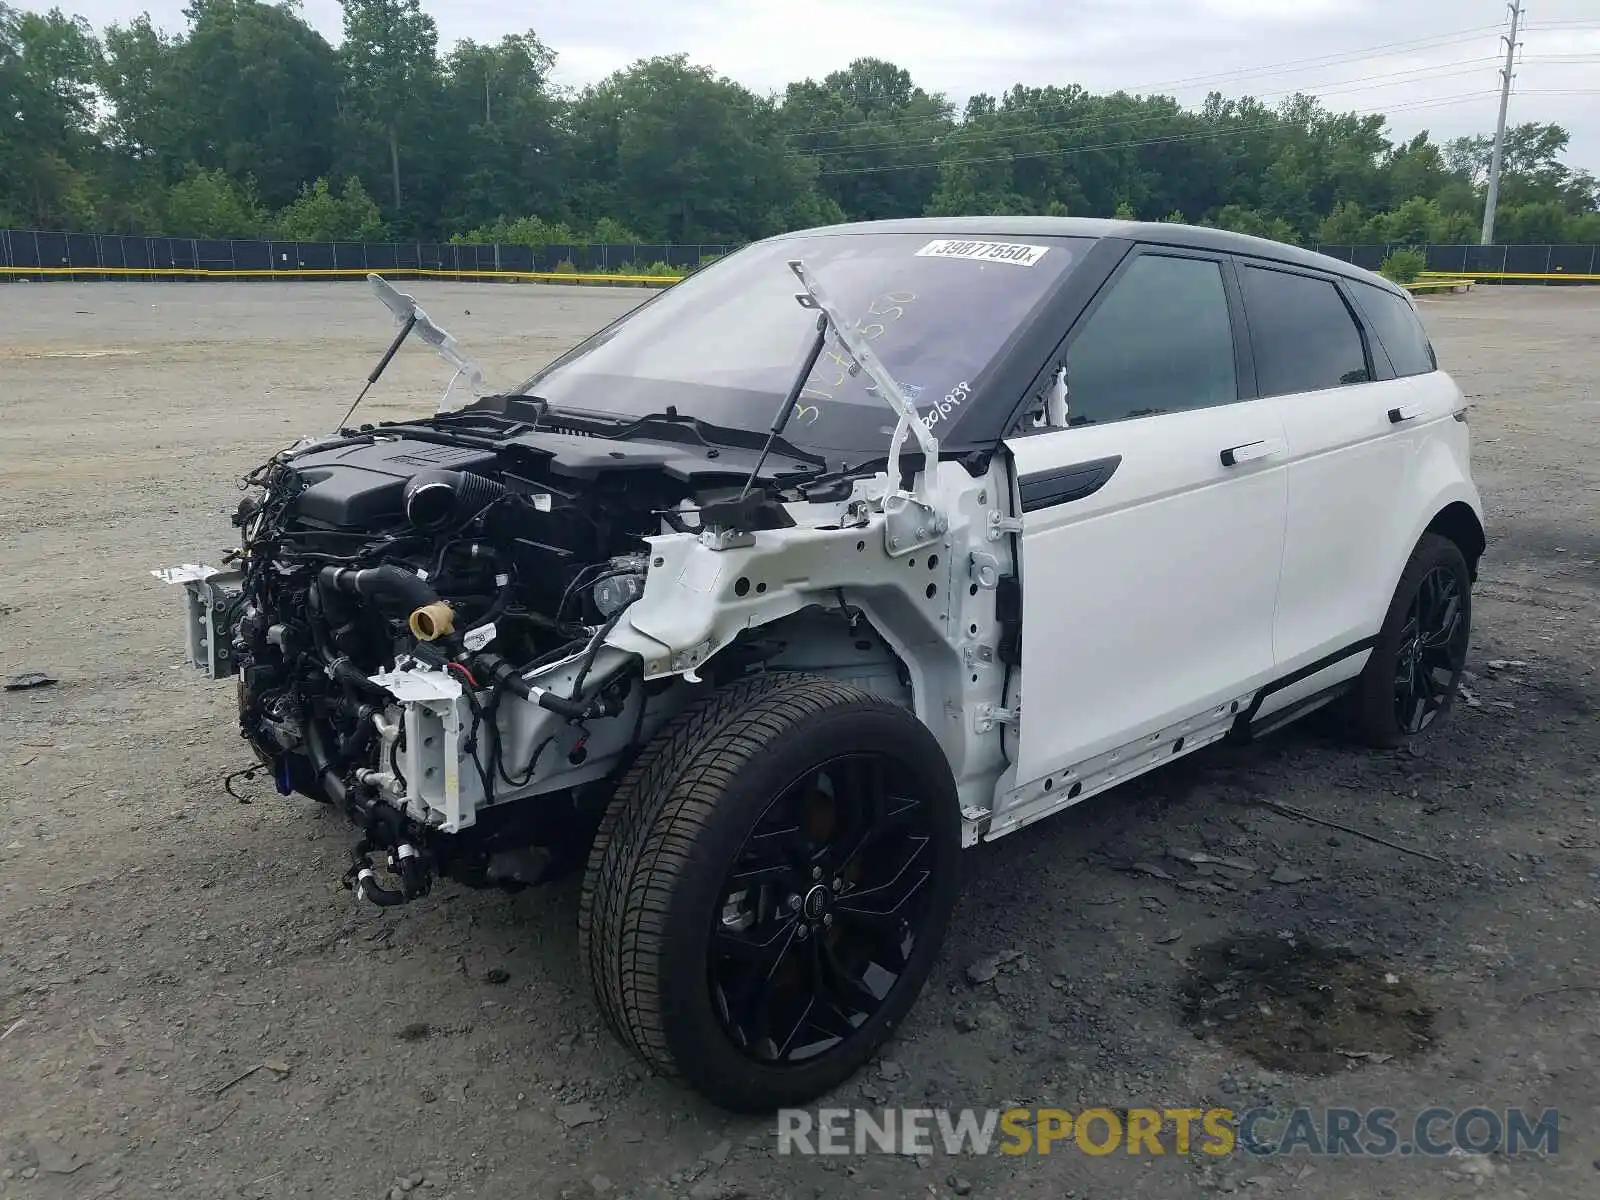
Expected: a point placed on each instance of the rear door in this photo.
(1348, 417)
(1152, 524)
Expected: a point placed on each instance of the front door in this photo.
(1152, 524)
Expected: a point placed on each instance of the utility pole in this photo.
(1498, 157)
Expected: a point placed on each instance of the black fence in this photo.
(30, 254)
(23, 252)
(1538, 263)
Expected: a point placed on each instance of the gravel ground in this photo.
(191, 1006)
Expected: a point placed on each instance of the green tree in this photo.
(872, 135)
(1403, 266)
(1583, 229)
(48, 64)
(256, 93)
(141, 128)
(606, 229)
(498, 132)
(682, 154)
(521, 231)
(1414, 223)
(1346, 224)
(209, 204)
(389, 61)
(1542, 221)
(1249, 220)
(319, 214)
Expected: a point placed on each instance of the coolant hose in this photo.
(368, 888)
(501, 673)
(387, 586)
(322, 763)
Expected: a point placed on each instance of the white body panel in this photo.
(1152, 598)
(1346, 475)
(1356, 482)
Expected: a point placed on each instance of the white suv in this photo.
(861, 546)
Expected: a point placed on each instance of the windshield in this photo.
(724, 346)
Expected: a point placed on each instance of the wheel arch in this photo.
(1459, 522)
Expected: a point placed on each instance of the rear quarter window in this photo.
(1394, 319)
(1303, 334)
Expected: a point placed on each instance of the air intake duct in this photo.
(435, 499)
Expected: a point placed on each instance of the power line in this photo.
(962, 135)
(1187, 137)
(1431, 42)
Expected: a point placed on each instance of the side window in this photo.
(1395, 322)
(1159, 342)
(1304, 337)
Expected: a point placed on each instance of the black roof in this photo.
(1160, 233)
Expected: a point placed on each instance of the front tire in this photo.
(1415, 668)
(769, 888)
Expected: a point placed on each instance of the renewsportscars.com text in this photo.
(1373, 1132)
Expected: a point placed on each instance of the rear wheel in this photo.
(1415, 668)
(769, 888)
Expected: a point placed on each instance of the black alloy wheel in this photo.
(1414, 670)
(769, 888)
(822, 909)
(1433, 649)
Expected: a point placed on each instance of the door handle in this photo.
(1253, 451)
(1406, 412)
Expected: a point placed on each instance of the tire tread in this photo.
(649, 832)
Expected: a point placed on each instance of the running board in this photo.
(1062, 789)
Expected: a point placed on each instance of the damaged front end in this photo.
(417, 618)
(461, 629)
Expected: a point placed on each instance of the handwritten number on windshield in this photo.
(890, 307)
(843, 364)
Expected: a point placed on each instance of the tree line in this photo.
(249, 123)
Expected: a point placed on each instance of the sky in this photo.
(1431, 63)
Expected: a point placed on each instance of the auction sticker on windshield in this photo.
(1015, 253)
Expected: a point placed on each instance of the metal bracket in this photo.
(978, 656)
(986, 716)
(1000, 525)
(974, 821)
(207, 595)
(909, 523)
(727, 539)
(984, 569)
(687, 660)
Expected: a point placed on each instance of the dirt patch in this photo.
(1294, 1005)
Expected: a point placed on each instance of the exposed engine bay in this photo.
(439, 565)
(432, 622)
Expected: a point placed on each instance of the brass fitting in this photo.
(432, 621)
